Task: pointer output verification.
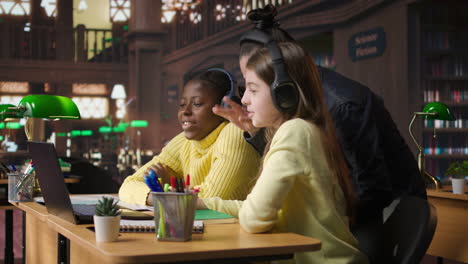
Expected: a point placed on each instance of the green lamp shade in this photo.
(123, 125)
(49, 106)
(75, 133)
(85, 133)
(139, 123)
(442, 110)
(8, 113)
(118, 129)
(105, 129)
(82, 133)
(2, 125)
(13, 125)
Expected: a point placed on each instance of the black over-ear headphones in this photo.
(284, 90)
(233, 92)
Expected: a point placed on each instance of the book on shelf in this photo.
(458, 123)
(445, 91)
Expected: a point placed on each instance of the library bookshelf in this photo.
(444, 78)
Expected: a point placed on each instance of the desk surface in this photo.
(446, 192)
(219, 241)
(67, 180)
(451, 235)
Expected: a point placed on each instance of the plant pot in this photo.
(106, 228)
(458, 186)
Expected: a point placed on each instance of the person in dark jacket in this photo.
(382, 166)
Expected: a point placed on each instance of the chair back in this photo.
(409, 230)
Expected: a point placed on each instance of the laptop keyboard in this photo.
(84, 209)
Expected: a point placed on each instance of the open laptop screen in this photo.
(52, 183)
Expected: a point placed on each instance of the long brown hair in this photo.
(311, 107)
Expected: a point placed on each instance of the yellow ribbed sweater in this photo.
(223, 164)
(296, 192)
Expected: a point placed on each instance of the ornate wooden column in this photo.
(145, 42)
(64, 30)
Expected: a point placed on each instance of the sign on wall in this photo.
(367, 44)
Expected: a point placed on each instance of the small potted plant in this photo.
(107, 220)
(458, 170)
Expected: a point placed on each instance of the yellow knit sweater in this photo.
(223, 164)
(296, 192)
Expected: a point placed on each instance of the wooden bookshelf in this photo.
(447, 156)
(443, 71)
(446, 130)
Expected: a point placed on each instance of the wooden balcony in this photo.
(35, 54)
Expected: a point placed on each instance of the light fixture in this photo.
(230, 11)
(48, 107)
(168, 15)
(139, 123)
(6, 112)
(433, 111)
(82, 6)
(38, 107)
(118, 92)
(170, 8)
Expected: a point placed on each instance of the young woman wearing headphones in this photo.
(303, 184)
(210, 149)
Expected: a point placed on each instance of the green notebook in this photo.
(210, 214)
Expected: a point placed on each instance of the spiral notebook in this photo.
(148, 226)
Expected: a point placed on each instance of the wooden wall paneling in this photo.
(386, 75)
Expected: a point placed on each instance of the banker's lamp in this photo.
(38, 107)
(7, 113)
(431, 111)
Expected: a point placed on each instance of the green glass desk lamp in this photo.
(6, 113)
(38, 107)
(431, 111)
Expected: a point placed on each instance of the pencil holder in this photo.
(174, 214)
(20, 187)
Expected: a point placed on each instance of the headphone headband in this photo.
(284, 90)
(233, 93)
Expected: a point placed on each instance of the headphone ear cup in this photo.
(285, 96)
(233, 95)
(233, 92)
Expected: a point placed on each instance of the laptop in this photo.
(54, 191)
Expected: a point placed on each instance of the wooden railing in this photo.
(40, 43)
(99, 46)
(19, 41)
(187, 32)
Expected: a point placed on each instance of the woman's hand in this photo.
(236, 114)
(149, 199)
(201, 205)
(163, 171)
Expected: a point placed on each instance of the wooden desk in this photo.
(67, 180)
(42, 216)
(40, 241)
(9, 256)
(219, 242)
(451, 235)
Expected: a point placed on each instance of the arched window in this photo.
(90, 100)
(15, 7)
(119, 10)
